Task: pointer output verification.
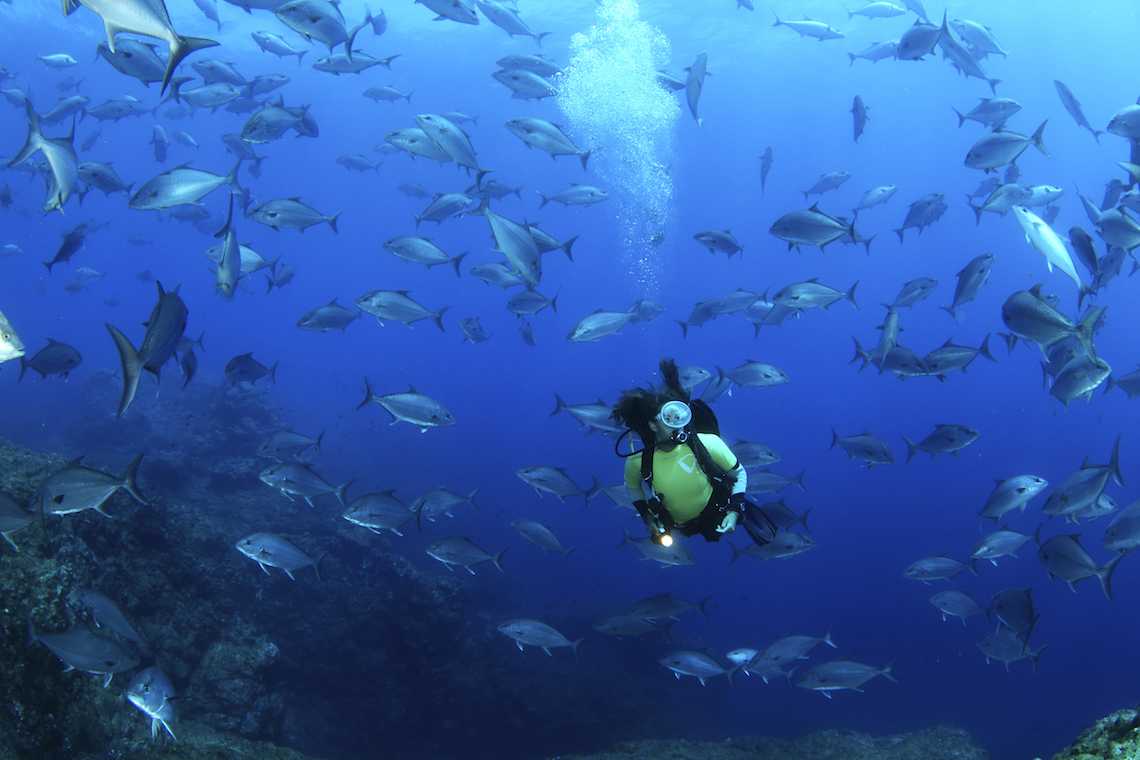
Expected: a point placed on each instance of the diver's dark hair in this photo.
(638, 406)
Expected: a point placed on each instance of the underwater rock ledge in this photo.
(1116, 736)
(938, 741)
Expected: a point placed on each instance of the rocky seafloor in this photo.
(381, 659)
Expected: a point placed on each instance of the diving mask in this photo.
(675, 414)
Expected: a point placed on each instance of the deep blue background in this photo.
(768, 87)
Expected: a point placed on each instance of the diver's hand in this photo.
(655, 526)
(728, 524)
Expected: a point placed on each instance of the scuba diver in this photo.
(685, 478)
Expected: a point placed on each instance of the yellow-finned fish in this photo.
(11, 347)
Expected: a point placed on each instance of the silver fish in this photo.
(547, 136)
(514, 241)
(11, 347)
(86, 651)
(537, 634)
(75, 488)
(379, 512)
(677, 554)
(1003, 543)
(60, 155)
(1013, 493)
(946, 439)
(12, 519)
(180, 185)
(286, 443)
(970, 280)
(411, 406)
(554, 480)
(843, 674)
(297, 479)
(999, 148)
(595, 326)
(396, 306)
(689, 663)
(151, 691)
(541, 536)
(937, 568)
(290, 212)
(461, 552)
(958, 604)
(331, 316)
(1065, 559)
(147, 18)
(270, 550)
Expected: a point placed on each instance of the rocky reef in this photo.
(1117, 736)
(935, 742)
(383, 651)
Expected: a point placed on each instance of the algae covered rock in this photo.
(1117, 736)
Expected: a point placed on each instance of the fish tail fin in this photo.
(352, 39)
(232, 179)
(176, 88)
(585, 155)
(574, 644)
(595, 489)
(300, 56)
(456, 260)
(961, 117)
(559, 407)
(1096, 135)
(567, 245)
(977, 210)
(332, 221)
(860, 353)
(950, 310)
(684, 328)
(852, 57)
(181, 47)
(272, 374)
(129, 482)
(778, 21)
(889, 670)
(850, 294)
(341, 490)
(1105, 575)
(993, 87)
(1114, 463)
(498, 560)
(132, 367)
(24, 364)
(317, 568)
(984, 349)
(1039, 139)
(545, 198)
(437, 317)
(369, 395)
(911, 449)
(798, 480)
(899, 232)
(31, 145)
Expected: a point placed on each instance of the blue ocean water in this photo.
(767, 87)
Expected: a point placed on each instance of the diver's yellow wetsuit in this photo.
(679, 482)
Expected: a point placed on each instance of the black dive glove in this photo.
(736, 503)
